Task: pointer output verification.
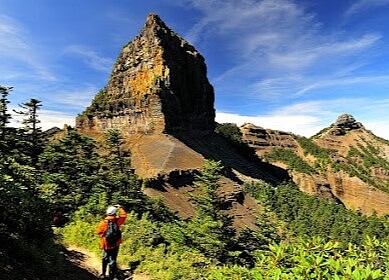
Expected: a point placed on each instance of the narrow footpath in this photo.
(86, 265)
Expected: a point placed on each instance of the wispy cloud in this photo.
(75, 98)
(17, 52)
(364, 5)
(280, 46)
(326, 83)
(91, 58)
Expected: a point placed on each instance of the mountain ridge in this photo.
(343, 162)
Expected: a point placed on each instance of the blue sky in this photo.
(280, 64)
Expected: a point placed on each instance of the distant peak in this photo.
(347, 121)
(344, 123)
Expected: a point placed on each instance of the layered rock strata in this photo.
(158, 84)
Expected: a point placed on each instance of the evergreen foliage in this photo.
(362, 159)
(33, 142)
(70, 170)
(305, 215)
(230, 131)
(297, 236)
(322, 156)
(233, 135)
(290, 158)
(4, 115)
(210, 231)
(27, 245)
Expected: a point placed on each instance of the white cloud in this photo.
(51, 119)
(48, 119)
(91, 58)
(305, 125)
(18, 52)
(279, 46)
(378, 127)
(363, 5)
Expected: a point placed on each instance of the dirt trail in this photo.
(91, 263)
(84, 259)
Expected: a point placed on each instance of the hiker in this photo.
(110, 241)
(59, 220)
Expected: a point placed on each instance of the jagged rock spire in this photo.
(158, 84)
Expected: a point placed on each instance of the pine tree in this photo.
(33, 133)
(210, 230)
(4, 116)
(120, 182)
(115, 142)
(71, 169)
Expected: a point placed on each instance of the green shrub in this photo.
(290, 158)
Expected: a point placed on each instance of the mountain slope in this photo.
(344, 162)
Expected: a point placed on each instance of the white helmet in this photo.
(111, 211)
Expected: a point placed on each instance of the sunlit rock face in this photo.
(158, 84)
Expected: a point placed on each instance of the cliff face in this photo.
(346, 162)
(158, 84)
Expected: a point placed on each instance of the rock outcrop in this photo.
(158, 84)
(362, 181)
(343, 124)
(263, 140)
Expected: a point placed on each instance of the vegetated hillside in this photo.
(344, 162)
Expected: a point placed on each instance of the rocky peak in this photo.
(348, 121)
(344, 123)
(154, 21)
(158, 84)
(155, 29)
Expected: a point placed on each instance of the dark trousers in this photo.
(109, 258)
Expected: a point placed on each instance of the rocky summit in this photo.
(158, 87)
(343, 124)
(344, 162)
(158, 84)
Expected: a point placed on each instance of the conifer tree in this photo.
(115, 142)
(122, 185)
(210, 230)
(32, 131)
(4, 116)
(71, 169)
